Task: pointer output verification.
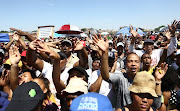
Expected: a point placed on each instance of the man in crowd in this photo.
(149, 45)
(123, 81)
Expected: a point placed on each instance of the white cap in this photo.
(178, 52)
(110, 41)
(120, 43)
(2, 51)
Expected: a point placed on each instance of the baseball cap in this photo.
(143, 83)
(67, 41)
(178, 52)
(7, 62)
(149, 41)
(120, 44)
(91, 102)
(75, 85)
(2, 51)
(110, 41)
(23, 54)
(152, 37)
(26, 97)
(111, 54)
(80, 69)
(83, 42)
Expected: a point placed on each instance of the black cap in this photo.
(149, 41)
(26, 97)
(79, 69)
(67, 41)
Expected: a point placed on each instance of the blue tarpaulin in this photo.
(4, 37)
(125, 31)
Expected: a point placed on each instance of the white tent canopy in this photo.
(104, 33)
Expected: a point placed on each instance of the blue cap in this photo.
(111, 54)
(91, 102)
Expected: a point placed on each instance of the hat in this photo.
(178, 52)
(75, 85)
(83, 42)
(110, 41)
(80, 69)
(23, 54)
(91, 102)
(2, 51)
(67, 41)
(7, 62)
(149, 41)
(26, 97)
(143, 83)
(152, 37)
(120, 44)
(111, 54)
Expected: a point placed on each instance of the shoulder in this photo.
(74, 56)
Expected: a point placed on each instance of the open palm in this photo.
(103, 45)
(161, 71)
(14, 55)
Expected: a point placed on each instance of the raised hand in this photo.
(167, 34)
(34, 45)
(173, 27)
(133, 32)
(161, 71)
(14, 55)
(78, 45)
(19, 32)
(103, 45)
(44, 48)
(16, 37)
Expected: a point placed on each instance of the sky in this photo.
(27, 15)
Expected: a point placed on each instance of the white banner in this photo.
(45, 31)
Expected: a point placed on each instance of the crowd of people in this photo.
(121, 73)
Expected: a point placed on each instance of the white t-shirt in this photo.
(156, 53)
(106, 88)
(47, 73)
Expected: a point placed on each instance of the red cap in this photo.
(83, 42)
(152, 37)
(24, 53)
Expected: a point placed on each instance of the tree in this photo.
(158, 28)
(4, 31)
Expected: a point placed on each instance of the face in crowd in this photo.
(120, 49)
(133, 63)
(146, 59)
(116, 56)
(25, 77)
(1, 57)
(66, 48)
(110, 46)
(96, 65)
(148, 47)
(142, 101)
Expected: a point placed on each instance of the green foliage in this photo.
(158, 28)
(4, 31)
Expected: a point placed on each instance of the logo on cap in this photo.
(32, 93)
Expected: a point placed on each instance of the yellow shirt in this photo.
(151, 70)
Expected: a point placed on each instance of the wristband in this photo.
(158, 82)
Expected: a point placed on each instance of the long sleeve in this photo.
(172, 46)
